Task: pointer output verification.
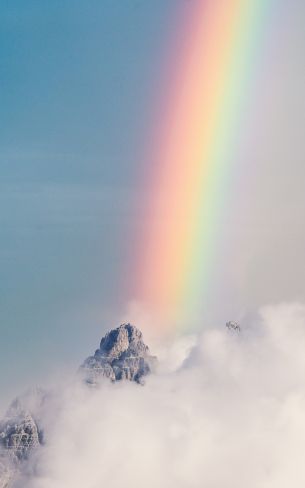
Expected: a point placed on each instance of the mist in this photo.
(223, 409)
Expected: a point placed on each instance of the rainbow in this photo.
(217, 46)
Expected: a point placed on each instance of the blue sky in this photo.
(76, 84)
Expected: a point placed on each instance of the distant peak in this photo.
(233, 326)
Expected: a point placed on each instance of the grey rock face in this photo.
(19, 435)
(19, 431)
(122, 355)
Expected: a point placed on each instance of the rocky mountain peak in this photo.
(122, 355)
(19, 430)
(125, 340)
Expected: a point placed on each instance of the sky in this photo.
(75, 83)
(77, 80)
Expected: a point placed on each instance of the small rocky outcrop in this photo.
(122, 355)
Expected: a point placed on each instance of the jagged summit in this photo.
(125, 341)
(122, 355)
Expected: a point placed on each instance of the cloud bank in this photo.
(225, 410)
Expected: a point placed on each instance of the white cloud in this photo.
(230, 412)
